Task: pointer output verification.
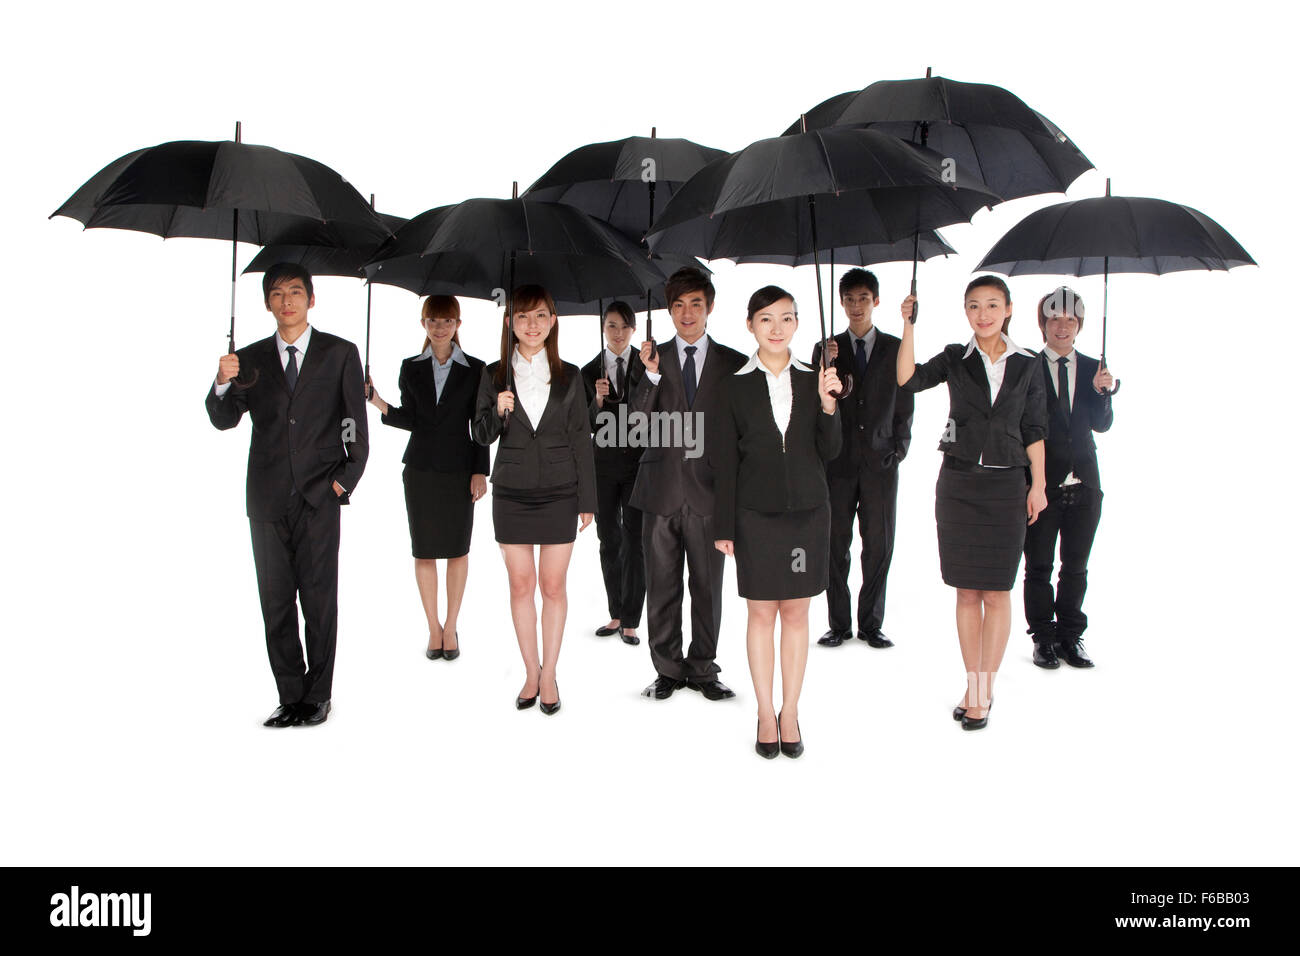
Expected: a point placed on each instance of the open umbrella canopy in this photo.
(325, 260)
(931, 245)
(616, 181)
(989, 132)
(195, 189)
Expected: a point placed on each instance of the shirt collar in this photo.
(625, 355)
(456, 355)
(538, 365)
(300, 344)
(1011, 347)
(1057, 355)
(701, 348)
(754, 363)
(867, 339)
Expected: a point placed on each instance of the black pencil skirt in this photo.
(981, 517)
(439, 511)
(547, 516)
(784, 555)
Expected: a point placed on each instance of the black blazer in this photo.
(1000, 430)
(305, 439)
(877, 415)
(667, 479)
(554, 453)
(1070, 447)
(759, 468)
(440, 438)
(613, 461)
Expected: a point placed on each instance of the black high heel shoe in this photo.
(977, 723)
(549, 709)
(523, 703)
(794, 749)
(453, 653)
(433, 653)
(959, 712)
(768, 751)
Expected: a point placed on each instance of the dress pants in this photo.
(1072, 513)
(298, 555)
(670, 540)
(618, 525)
(873, 497)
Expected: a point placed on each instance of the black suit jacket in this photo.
(551, 454)
(877, 415)
(758, 467)
(1070, 447)
(440, 438)
(999, 430)
(305, 439)
(667, 479)
(613, 461)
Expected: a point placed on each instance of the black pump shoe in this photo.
(790, 749)
(768, 751)
(976, 723)
(959, 713)
(523, 703)
(549, 709)
(452, 653)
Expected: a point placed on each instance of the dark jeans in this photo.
(1072, 514)
(618, 525)
(672, 543)
(297, 559)
(873, 497)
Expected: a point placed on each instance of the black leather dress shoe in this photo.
(663, 688)
(1073, 654)
(451, 653)
(604, 631)
(1045, 656)
(286, 715)
(875, 639)
(794, 749)
(712, 689)
(834, 638)
(767, 751)
(628, 638)
(310, 714)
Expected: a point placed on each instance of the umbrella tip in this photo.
(927, 72)
(514, 189)
(654, 131)
(239, 130)
(1108, 186)
(372, 200)
(803, 122)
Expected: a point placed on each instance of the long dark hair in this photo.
(525, 298)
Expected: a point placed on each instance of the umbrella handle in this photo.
(1109, 391)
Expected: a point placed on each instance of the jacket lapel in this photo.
(308, 370)
(974, 366)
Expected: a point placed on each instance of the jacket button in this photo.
(862, 428)
(293, 421)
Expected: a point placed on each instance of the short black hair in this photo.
(856, 278)
(624, 310)
(765, 296)
(282, 271)
(685, 281)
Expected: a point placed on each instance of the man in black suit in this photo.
(674, 491)
(876, 419)
(303, 390)
(1078, 404)
(610, 378)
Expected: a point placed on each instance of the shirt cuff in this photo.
(653, 376)
(220, 389)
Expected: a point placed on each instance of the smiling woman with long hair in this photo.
(543, 478)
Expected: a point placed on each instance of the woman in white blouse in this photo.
(543, 478)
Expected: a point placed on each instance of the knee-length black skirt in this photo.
(784, 555)
(547, 516)
(981, 517)
(439, 511)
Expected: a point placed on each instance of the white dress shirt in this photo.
(779, 392)
(442, 369)
(1072, 364)
(611, 365)
(995, 371)
(282, 346)
(701, 350)
(532, 383)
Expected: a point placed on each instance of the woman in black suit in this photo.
(996, 426)
(543, 479)
(446, 472)
(779, 428)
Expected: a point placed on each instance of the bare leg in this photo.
(523, 610)
(794, 659)
(457, 573)
(554, 568)
(993, 644)
(426, 579)
(970, 627)
(759, 644)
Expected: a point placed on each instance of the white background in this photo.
(134, 668)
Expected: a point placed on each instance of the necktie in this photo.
(860, 359)
(688, 375)
(1063, 385)
(621, 378)
(291, 370)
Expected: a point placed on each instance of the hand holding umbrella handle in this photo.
(1107, 391)
(237, 381)
(845, 380)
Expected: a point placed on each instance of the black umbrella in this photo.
(484, 248)
(987, 132)
(226, 190)
(616, 181)
(1114, 234)
(330, 261)
(850, 186)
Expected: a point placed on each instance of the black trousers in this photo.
(1072, 514)
(618, 525)
(671, 541)
(873, 497)
(297, 557)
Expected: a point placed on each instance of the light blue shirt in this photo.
(442, 369)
